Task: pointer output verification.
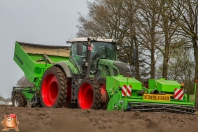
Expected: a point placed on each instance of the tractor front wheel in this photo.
(89, 95)
(19, 100)
(53, 88)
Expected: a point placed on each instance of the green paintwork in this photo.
(118, 102)
(103, 63)
(34, 66)
(163, 85)
(114, 82)
(29, 93)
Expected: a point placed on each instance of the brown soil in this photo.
(76, 120)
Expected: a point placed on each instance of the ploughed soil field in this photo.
(76, 120)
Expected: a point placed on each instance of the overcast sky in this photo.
(35, 21)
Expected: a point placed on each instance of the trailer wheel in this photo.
(53, 88)
(19, 100)
(104, 97)
(89, 95)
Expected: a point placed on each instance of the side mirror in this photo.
(79, 48)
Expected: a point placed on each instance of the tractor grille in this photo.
(123, 69)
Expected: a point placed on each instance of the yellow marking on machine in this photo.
(157, 97)
(171, 95)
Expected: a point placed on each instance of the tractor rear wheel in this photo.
(89, 95)
(19, 100)
(53, 91)
(104, 94)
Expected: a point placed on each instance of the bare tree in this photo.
(147, 21)
(154, 28)
(182, 67)
(185, 15)
(104, 20)
(167, 30)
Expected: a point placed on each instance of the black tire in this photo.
(19, 100)
(89, 95)
(104, 101)
(53, 90)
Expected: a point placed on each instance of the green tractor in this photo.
(87, 75)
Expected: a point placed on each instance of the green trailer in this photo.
(87, 75)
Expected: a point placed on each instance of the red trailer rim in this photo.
(85, 96)
(49, 90)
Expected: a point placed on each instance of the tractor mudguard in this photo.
(65, 68)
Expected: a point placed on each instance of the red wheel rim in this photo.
(49, 90)
(85, 96)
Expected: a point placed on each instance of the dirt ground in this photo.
(76, 120)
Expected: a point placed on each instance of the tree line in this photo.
(163, 32)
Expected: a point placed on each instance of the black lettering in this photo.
(167, 98)
(19, 59)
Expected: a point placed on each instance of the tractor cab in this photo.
(99, 49)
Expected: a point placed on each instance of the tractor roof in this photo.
(92, 39)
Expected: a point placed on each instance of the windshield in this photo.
(103, 50)
(100, 50)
